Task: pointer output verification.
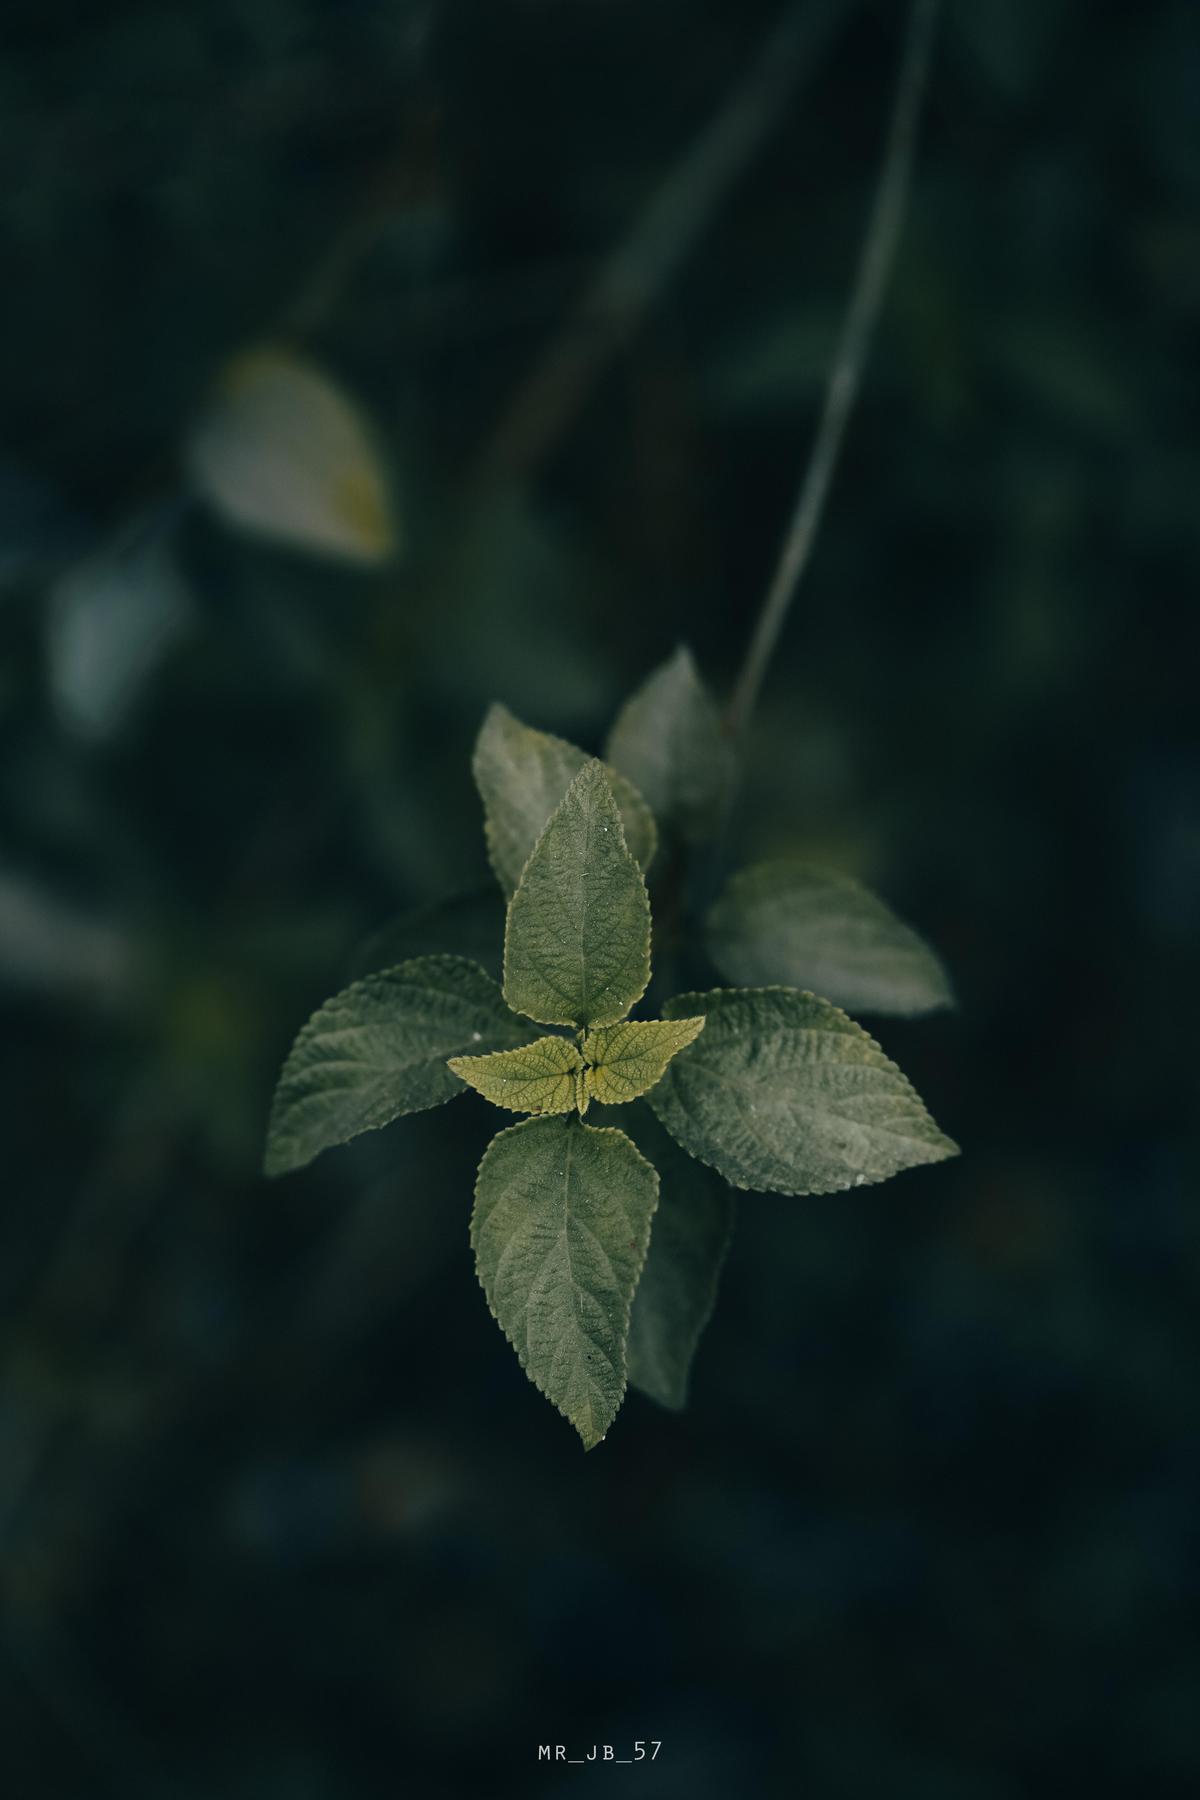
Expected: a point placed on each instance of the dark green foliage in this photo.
(927, 1527)
(772, 1088)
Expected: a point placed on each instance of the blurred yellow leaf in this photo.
(281, 450)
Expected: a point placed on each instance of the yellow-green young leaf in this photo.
(811, 928)
(668, 741)
(689, 1239)
(379, 1049)
(560, 1226)
(783, 1092)
(627, 1059)
(281, 450)
(538, 1078)
(577, 945)
(522, 776)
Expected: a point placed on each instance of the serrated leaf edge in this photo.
(601, 1131)
(951, 1148)
(563, 744)
(273, 1171)
(491, 1055)
(588, 1065)
(603, 767)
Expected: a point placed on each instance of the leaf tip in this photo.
(592, 777)
(496, 716)
(280, 1158)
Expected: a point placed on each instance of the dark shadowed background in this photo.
(281, 1518)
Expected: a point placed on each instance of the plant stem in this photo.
(862, 311)
(661, 236)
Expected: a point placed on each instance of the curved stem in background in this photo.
(870, 281)
(672, 221)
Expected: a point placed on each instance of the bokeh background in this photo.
(280, 1516)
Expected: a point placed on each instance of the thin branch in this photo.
(874, 267)
(662, 235)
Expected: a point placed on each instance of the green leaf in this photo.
(470, 925)
(669, 742)
(577, 947)
(810, 928)
(379, 1049)
(560, 1226)
(522, 776)
(538, 1078)
(783, 1092)
(624, 1060)
(689, 1239)
(282, 450)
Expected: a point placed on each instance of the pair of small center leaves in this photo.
(616, 1063)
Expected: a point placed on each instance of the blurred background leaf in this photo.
(280, 449)
(928, 1524)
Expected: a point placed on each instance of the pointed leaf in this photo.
(689, 1238)
(560, 1226)
(784, 1092)
(625, 1060)
(379, 1049)
(538, 1078)
(282, 450)
(814, 929)
(522, 775)
(668, 741)
(577, 947)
